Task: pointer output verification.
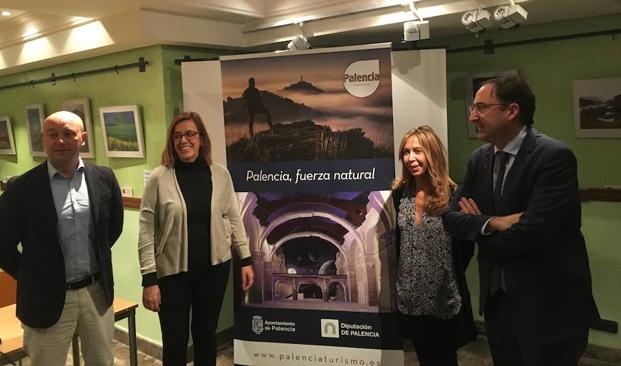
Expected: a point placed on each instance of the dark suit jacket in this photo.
(543, 256)
(28, 216)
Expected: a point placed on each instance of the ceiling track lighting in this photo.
(417, 29)
(510, 16)
(299, 42)
(507, 16)
(477, 20)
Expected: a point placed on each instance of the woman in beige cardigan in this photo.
(189, 221)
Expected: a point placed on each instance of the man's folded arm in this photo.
(552, 200)
(461, 225)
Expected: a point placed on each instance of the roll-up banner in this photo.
(310, 139)
(309, 142)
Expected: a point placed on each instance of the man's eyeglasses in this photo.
(482, 107)
(189, 135)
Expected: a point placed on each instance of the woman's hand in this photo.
(247, 275)
(151, 298)
(469, 206)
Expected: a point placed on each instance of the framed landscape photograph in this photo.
(473, 83)
(597, 107)
(7, 144)
(122, 131)
(82, 108)
(35, 115)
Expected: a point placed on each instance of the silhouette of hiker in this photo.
(254, 105)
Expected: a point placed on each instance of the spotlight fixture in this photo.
(298, 43)
(510, 16)
(415, 30)
(476, 20)
(5, 13)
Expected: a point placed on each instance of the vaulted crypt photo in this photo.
(326, 251)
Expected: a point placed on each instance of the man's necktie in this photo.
(501, 164)
(496, 282)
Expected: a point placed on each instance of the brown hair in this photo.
(169, 155)
(441, 184)
(514, 89)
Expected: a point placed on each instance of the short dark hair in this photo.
(169, 155)
(514, 89)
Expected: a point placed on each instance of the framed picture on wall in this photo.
(82, 108)
(597, 107)
(473, 83)
(35, 115)
(122, 131)
(7, 144)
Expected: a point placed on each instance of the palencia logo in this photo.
(362, 78)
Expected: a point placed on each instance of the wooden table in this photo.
(11, 333)
(127, 309)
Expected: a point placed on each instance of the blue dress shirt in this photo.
(73, 211)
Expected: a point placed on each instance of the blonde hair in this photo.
(169, 155)
(441, 184)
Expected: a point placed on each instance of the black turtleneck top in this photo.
(195, 183)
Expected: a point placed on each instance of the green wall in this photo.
(549, 67)
(106, 89)
(158, 92)
(128, 87)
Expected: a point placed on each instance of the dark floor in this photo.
(474, 354)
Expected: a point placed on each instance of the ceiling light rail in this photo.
(489, 46)
(141, 64)
(323, 15)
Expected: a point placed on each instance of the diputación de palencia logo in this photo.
(333, 328)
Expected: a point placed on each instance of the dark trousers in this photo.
(435, 340)
(202, 295)
(512, 340)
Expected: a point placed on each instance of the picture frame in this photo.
(35, 114)
(473, 83)
(122, 131)
(82, 108)
(596, 107)
(7, 143)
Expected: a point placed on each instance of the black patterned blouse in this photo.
(425, 276)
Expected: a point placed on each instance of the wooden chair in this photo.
(7, 289)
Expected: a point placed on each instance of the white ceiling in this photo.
(43, 32)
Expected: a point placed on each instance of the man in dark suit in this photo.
(66, 214)
(519, 201)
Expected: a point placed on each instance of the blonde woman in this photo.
(433, 297)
